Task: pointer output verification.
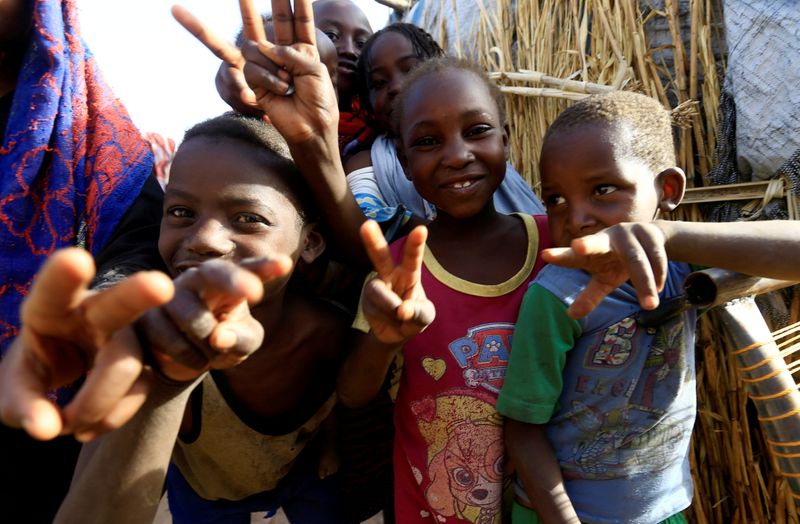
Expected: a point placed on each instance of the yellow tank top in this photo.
(231, 461)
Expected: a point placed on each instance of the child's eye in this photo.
(361, 42)
(179, 212)
(425, 141)
(407, 65)
(478, 130)
(333, 35)
(605, 189)
(250, 218)
(377, 84)
(554, 200)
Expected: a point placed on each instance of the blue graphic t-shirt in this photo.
(622, 409)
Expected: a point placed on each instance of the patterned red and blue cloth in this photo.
(71, 160)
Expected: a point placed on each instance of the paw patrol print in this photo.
(493, 346)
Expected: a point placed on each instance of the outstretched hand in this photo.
(208, 324)
(231, 85)
(394, 302)
(288, 81)
(68, 330)
(628, 251)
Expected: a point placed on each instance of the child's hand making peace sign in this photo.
(394, 302)
(286, 79)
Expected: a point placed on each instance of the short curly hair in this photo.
(423, 44)
(437, 66)
(642, 127)
(268, 142)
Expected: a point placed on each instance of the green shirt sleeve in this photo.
(543, 335)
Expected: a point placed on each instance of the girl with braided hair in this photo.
(376, 178)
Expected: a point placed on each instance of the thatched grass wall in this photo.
(545, 53)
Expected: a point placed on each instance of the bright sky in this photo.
(163, 75)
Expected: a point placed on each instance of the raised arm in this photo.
(396, 308)
(295, 92)
(639, 252)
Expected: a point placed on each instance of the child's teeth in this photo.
(459, 185)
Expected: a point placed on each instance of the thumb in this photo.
(23, 402)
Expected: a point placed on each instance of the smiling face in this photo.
(586, 188)
(391, 58)
(348, 28)
(224, 200)
(452, 141)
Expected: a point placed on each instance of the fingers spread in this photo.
(252, 23)
(117, 366)
(283, 22)
(377, 248)
(562, 256)
(221, 48)
(121, 412)
(169, 345)
(268, 269)
(304, 29)
(59, 286)
(221, 284)
(596, 244)
(414, 250)
(634, 262)
(22, 395)
(118, 306)
(651, 238)
(589, 298)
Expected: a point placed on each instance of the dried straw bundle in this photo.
(545, 53)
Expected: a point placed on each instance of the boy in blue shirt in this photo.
(600, 405)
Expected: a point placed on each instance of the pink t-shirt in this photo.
(449, 454)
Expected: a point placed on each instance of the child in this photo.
(255, 209)
(375, 176)
(449, 457)
(600, 410)
(348, 28)
(271, 405)
(74, 170)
